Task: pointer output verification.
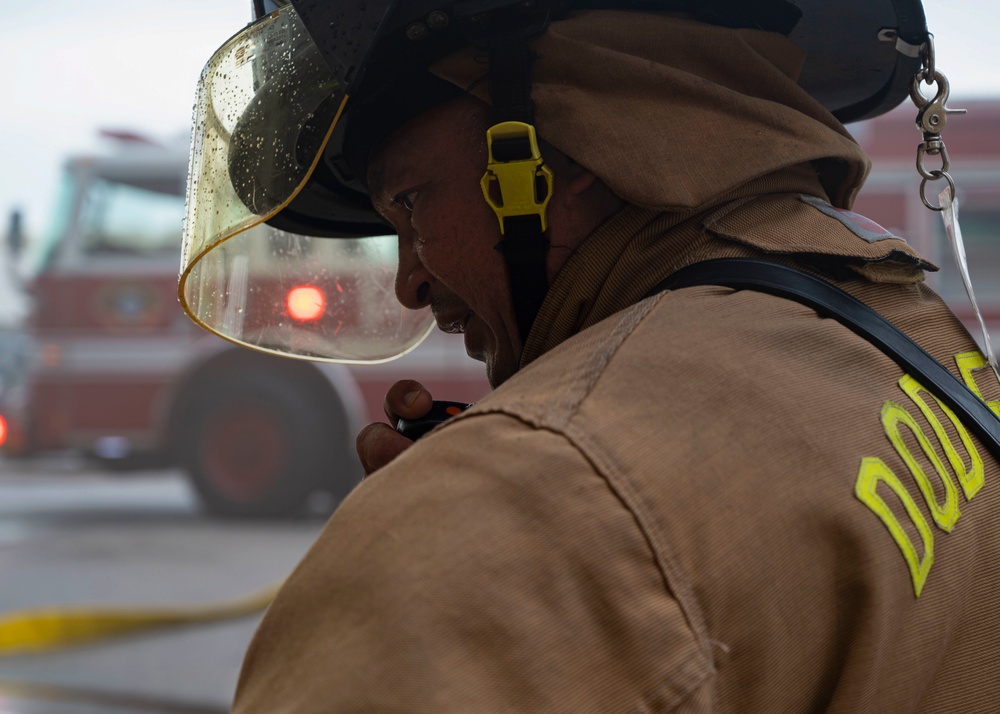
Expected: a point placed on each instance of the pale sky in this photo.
(73, 67)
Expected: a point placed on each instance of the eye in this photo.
(406, 200)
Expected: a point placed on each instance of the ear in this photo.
(579, 180)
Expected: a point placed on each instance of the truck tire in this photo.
(258, 444)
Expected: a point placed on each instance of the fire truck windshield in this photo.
(131, 206)
(132, 217)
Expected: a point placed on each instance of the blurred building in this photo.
(891, 197)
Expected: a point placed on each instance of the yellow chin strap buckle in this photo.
(515, 165)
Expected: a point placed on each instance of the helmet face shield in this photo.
(315, 298)
(265, 109)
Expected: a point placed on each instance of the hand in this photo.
(380, 443)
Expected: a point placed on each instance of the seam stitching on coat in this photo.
(565, 406)
(694, 672)
(620, 484)
(669, 567)
(693, 677)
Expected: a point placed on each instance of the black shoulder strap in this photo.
(831, 301)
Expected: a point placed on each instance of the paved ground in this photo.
(73, 536)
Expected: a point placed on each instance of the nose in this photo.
(413, 280)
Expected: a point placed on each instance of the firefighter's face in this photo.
(425, 181)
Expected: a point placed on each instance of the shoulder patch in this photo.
(862, 227)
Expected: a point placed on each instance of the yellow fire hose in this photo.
(49, 628)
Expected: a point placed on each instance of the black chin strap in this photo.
(831, 301)
(524, 245)
(524, 249)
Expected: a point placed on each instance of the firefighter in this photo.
(686, 492)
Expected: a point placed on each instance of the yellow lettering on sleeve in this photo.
(971, 479)
(874, 471)
(968, 362)
(944, 514)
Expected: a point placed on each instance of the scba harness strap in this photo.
(830, 301)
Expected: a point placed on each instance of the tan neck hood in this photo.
(672, 114)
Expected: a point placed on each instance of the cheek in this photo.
(455, 230)
(462, 258)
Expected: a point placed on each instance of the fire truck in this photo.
(117, 372)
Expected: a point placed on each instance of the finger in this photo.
(407, 398)
(378, 444)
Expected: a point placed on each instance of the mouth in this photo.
(453, 324)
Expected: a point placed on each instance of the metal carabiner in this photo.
(932, 114)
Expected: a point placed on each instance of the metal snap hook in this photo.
(933, 114)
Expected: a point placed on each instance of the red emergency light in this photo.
(305, 303)
(3, 430)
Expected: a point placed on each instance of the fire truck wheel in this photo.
(259, 445)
